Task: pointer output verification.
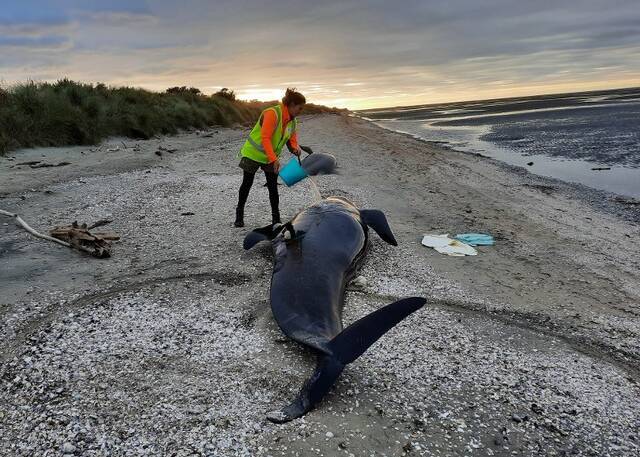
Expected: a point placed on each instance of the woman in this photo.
(275, 128)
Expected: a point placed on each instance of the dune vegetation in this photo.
(73, 113)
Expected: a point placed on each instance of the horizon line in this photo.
(3, 85)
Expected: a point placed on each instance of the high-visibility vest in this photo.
(253, 148)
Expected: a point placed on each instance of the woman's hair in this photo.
(293, 97)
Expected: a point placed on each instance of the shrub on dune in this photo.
(71, 113)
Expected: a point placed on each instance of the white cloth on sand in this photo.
(448, 246)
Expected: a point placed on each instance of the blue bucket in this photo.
(292, 172)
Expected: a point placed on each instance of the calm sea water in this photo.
(590, 138)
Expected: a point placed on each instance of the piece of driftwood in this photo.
(48, 165)
(74, 236)
(100, 223)
(30, 162)
(79, 236)
(26, 226)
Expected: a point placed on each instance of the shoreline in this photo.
(549, 316)
(630, 202)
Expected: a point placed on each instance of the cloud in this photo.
(35, 43)
(339, 50)
(118, 19)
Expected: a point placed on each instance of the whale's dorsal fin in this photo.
(376, 219)
(266, 233)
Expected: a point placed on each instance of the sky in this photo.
(353, 54)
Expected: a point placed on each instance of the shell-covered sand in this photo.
(169, 347)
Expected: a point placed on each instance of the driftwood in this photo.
(40, 164)
(79, 237)
(24, 225)
(47, 165)
(74, 236)
(100, 223)
(31, 162)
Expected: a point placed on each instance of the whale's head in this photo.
(372, 218)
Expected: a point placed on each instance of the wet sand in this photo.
(169, 347)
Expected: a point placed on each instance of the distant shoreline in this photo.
(504, 99)
(589, 138)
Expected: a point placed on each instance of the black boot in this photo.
(239, 217)
(275, 217)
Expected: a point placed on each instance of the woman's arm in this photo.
(269, 121)
(294, 144)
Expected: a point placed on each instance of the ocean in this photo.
(591, 138)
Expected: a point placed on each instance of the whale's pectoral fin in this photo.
(376, 219)
(347, 346)
(261, 234)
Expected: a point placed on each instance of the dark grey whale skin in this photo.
(311, 270)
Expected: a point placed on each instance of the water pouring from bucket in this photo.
(292, 172)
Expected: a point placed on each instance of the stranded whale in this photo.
(316, 254)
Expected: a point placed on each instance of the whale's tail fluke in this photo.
(354, 340)
(346, 347)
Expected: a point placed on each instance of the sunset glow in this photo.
(336, 53)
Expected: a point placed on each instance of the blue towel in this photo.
(475, 239)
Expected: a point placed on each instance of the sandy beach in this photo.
(532, 347)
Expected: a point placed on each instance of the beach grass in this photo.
(66, 112)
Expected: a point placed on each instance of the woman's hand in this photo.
(276, 166)
(297, 152)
